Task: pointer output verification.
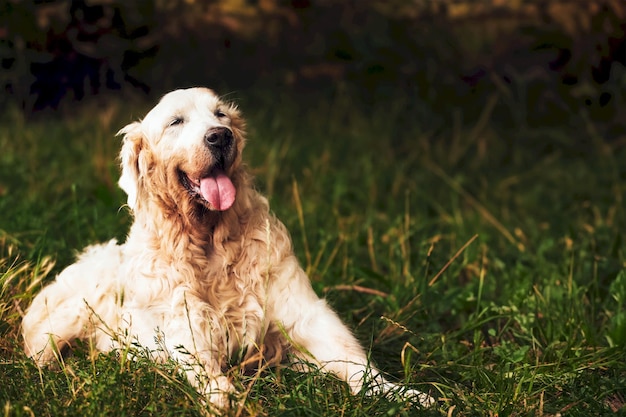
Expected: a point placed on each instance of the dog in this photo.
(206, 274)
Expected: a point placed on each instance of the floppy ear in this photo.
(129, 156)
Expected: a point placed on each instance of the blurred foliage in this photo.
(545, 60)
(51, 50)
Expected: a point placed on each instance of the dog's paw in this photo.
(219, 392)
(424, 399)
(392, 390)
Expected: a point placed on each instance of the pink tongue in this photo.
(219, 191)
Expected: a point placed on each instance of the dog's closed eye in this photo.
(176, 121)
(220, 114)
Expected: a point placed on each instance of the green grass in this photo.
(481, 262)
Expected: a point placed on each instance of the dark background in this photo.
(558, 58)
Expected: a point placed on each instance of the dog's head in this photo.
(185, 155)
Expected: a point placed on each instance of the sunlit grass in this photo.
(480, 263)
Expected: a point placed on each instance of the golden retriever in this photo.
(207, 272)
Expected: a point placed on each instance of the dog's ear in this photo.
(132, 144)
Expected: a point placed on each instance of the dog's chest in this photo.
(239, 303)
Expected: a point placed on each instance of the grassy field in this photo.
(482, 263)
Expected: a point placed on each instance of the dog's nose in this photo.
(219, 137)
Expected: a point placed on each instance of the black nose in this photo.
(219, 137)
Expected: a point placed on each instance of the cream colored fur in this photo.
(192, 283)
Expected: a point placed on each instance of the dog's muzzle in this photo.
(215, 188)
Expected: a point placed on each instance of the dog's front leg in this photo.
(317, 335)
(192, 337)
